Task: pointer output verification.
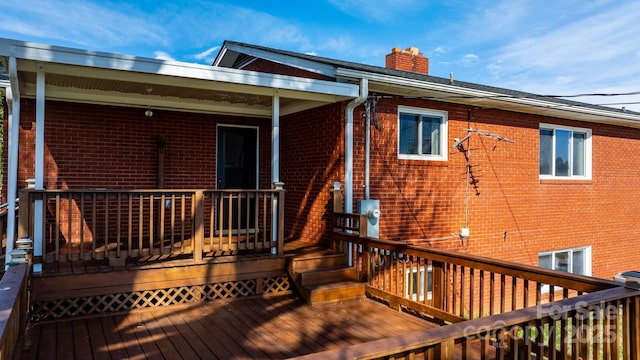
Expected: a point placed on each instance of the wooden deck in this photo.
(272, 327)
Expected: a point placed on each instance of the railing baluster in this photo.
(57, 228)
(106, 225)
(514, 293)
(492, 292)
(472, 286)
(118, 224)
(69, 228)
(151, 233)
(161, 223)
(141, 225)
(82, 255)
(462, 291)
(182, 220)
(94, 216)
(173, 223)
(130, 227)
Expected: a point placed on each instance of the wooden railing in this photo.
(155, 224)
(492, 308)
(13, 308)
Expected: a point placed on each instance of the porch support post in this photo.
(13, 100)
(275, 169)
(38, 208)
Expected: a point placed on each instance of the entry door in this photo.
(237, 168)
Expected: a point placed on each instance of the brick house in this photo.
(461, 166)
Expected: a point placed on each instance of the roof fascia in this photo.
(511, 104)
(101, 60)
(296, 62)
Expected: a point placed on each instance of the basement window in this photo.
(565, 152)
(575, 261)
(415, 285)
(422, 134)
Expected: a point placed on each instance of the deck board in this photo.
(270, 327)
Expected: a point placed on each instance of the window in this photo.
(422, 134)
(414, 284)
(565, 152)
(575, 261)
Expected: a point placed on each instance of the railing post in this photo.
(438, 285)
(198, 223)
(277, 220)
(24, 214)
(363, 225)
(337, 197)
(281, 221)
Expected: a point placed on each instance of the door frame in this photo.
(257, 128)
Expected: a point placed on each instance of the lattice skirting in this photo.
(61, 308)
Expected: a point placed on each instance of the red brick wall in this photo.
(312, 148)
(513, 215)
(90, 146)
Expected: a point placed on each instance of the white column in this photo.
(275, 166)
(13, 100)
(38, 208)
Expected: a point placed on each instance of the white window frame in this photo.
(587, 258)
(443, 156)
(587, 152)
(408, 293)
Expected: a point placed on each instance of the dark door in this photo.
(237, 168)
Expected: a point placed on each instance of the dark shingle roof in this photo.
(507, 93)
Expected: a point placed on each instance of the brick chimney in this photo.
(407, 60)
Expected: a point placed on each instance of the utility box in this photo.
(371, 208)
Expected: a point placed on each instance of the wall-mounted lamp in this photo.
(148, 113)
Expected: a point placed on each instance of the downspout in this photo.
(367, 150)
(348, 148)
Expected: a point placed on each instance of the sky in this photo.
(560, 47)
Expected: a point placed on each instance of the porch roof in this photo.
(104, 78)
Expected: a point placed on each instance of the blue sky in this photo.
(547, 47)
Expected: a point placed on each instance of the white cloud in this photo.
(469, 59)
(206, 54)
(161, 55)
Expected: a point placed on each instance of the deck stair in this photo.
(325, 277)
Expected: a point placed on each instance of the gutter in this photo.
(348, 142)
(498, 101)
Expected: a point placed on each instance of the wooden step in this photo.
(324, 278)
(337, 291)
(316, 262)
(324, 275)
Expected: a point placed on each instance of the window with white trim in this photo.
(565, 152)
(414, 287)
(422, 134)
(575, 261)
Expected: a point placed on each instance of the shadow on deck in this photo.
(267, 327)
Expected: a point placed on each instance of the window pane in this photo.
(578, 262)
(408, 134)
(578, 154)
(562, 261)
(546, 151)
(563, 141)
(545, 261)
(431, 135)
